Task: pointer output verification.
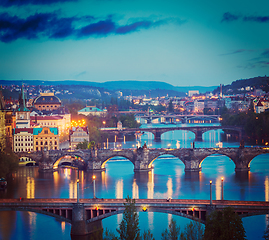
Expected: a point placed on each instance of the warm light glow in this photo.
(144, 209)
(93, 177)
(135, 190)
(119, 189)
(210, 182)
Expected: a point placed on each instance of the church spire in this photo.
(22, 101)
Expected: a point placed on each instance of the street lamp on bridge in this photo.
(210, 192)
(222, 198)
(93, 177)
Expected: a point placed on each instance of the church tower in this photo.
(23, 113)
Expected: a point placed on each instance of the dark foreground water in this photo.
(168, 179)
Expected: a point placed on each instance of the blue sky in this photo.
(181, 42)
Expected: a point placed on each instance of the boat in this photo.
(3, 183)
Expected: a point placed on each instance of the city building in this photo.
(10, 119)
(199, 106)
(193, 92)
(60, 122)
(92, 111)
(78, 135)
(23, 113)
(23, 139)
(259, 108)
(47, 102)
(46, 137)
(2, 123)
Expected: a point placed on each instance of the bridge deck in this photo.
(118, 202)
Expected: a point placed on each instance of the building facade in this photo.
(23, 139)
(47, 102)
(46, 137)
(92, 111)
(78, 135)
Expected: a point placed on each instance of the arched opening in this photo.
(148, 220)
(116, 164)
(65, 161)
(217, 164)
(182, 135)
(27, 161)
(167, 164)
(212, 137)
(260, 163)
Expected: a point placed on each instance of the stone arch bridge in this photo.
(158, 131)
(143, 158)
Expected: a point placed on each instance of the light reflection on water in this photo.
(167, 179)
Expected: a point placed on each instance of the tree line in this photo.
(255, 125)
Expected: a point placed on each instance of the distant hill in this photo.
(239, 86)
(114, 85)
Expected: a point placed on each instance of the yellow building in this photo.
(2, 123)
(46, 137)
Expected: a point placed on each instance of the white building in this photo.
(93, 111)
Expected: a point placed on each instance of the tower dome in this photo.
(47, 101)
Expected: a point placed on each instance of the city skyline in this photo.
(181, 43)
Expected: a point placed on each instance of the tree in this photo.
(225, 224)
(108, 235)
(8, 163)
(193, 231)
(129, 226)
(173, 231)
(147, 235)
(82, 145)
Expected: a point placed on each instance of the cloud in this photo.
(9, 3)
(265, 53)
(261, 61)
(258, 19)
(237, 51)
(53, 27)
(228, 17)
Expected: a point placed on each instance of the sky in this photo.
(181, 42)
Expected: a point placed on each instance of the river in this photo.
(167, 179)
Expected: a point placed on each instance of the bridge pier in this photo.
(199, 136)
(192, 166)
(80, 226)
(157, 136)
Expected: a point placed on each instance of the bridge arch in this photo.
(119, 154)
(167, 153)
(193, 215)
(227, 156)
(70, 159)
(27, 161)
(66, 214)
(257, 159)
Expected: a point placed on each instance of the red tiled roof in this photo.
(18, 130)
(260, 104)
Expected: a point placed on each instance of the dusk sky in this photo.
(181, 42)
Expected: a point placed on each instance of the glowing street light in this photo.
(210, 192)
(77, 190)
(222, 198)
(93, 177)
